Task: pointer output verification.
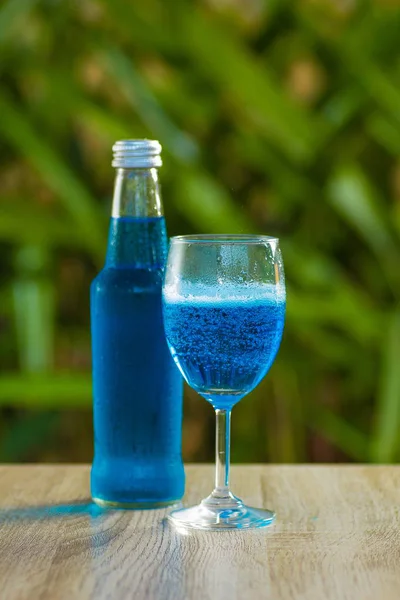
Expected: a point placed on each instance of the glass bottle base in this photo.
(133, 505)
(216, 515)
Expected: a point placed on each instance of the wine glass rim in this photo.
(224, 238)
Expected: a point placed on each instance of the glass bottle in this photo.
(137, 388)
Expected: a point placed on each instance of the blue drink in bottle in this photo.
(137, 388)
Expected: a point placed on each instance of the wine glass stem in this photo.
(222, 452)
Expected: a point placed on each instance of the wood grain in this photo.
(337, 537)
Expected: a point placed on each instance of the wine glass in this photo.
(224, 309)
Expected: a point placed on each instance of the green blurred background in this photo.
(274, 116)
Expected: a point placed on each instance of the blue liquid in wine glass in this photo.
(224, 347)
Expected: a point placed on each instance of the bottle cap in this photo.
(136, 154)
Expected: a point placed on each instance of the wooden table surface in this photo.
(337, 537)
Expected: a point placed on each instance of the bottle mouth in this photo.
(136, 154)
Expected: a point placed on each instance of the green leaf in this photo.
(225, 61)
(352, 195)
(34, 306)
(340, 432)
(385, 93)
(290, 182)
(140, 97)
(50, 391)
(103, 122)
(26, 435)
(359, 47)
(385, 445)
(11, 14)
(145, 24)
(386, 132)
(342, 105)
(207, 205)
(44, 228)
(18, 130)
(289, 406)
(338, 309)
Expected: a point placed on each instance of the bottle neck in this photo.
(137, 193)
(137, 236)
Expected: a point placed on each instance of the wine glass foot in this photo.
(212, 516)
